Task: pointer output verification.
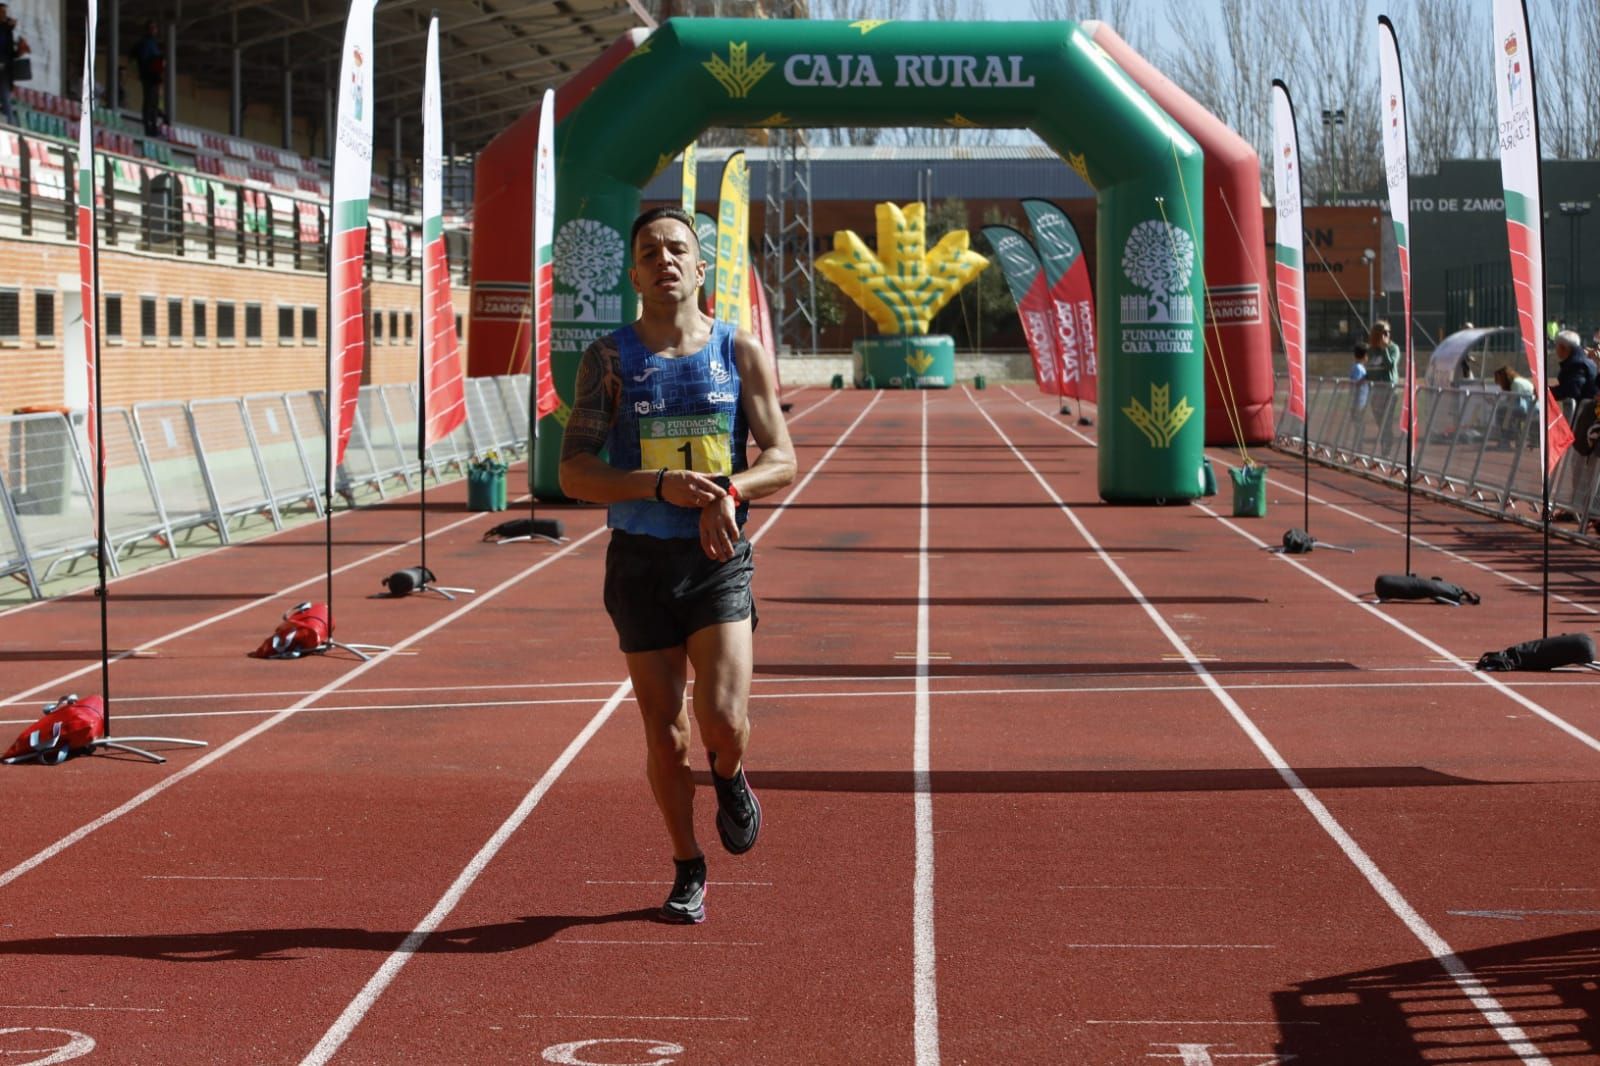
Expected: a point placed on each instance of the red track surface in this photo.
(1184, 801)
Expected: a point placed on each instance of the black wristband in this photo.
(660, 476)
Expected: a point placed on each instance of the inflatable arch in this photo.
(695, 73)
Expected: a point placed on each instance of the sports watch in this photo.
(725, 483)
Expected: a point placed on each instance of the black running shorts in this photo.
(659, 591)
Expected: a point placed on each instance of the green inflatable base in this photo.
(907, 361)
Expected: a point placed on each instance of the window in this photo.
(147, 319)
(252, 323)
(308, 324)
(377, 326)
(394, 327)
(285, 325)
(44, 314)
(411, 326)
(225, 314)
(10, 314)
(112, 326)
(175, 321)
(200, 322)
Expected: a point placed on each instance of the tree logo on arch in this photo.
(588, 259)
(736, 74)
(1158, 257)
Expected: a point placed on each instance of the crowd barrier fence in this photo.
(181, 469)
(1476, 445)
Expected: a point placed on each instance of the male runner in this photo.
(672, 400)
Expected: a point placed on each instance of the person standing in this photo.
(8, 54)
(1360, 391)
(672, 399)
(150, 62)
(1576, 376)
(1383, 369)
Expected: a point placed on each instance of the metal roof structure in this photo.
(496, 56)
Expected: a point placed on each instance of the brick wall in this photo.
(136, 369)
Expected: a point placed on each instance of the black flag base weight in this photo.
(417, 580)
(1411, 587)
(517, 529)
(1563, 649)
(1299, 542)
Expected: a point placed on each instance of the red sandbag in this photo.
(67, 729)
(303, 630)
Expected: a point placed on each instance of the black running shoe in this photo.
(687, 904)
(738, 811)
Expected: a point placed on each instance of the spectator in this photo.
(8, 52)
(1383, 367)
(151, 64)
(1512, 413)
(1575, 375)
(1360, 390)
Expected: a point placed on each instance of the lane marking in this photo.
(1517, 915)
(644, 1017)
(658, 943)
(339, 1032)
(1181, 947)
(213, 754)
(924, 963)
(222, 877)
(89, 1007)
(280, 595)
(1470, 984)
(351, 1016)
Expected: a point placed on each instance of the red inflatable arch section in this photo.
(498, 337)
(1238, 337)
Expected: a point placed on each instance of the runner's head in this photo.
(666, 256)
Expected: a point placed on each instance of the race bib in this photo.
(687, 442)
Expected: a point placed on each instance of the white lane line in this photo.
(1454, 556)
(620, 942)
(216, 753)
(54, 685)
(358, 1007)
(924, 964)
(222, 877)
(90, 1007)
(1444, 654)
(1180, 947)
(1469, 983)
(1481, 677)
(1517, 915)
(643, 1017)
(351, 1016)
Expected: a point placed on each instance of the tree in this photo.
(1449, 101)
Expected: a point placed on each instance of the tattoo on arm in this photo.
(594, 407)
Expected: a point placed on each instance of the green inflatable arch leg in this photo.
(1147, 173)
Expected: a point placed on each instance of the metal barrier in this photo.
(174, 467)
(1476, 445)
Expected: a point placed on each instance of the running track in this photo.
(1045, 781)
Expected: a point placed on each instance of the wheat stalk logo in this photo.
(736, 74)
(1160, 421)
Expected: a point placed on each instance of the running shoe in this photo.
(738, 811)
(687, 903)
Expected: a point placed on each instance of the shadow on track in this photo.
(1412, 1013)
(1249, 779)
(285, 944)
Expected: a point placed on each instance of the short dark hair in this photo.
(1361, 349)
(656, 214)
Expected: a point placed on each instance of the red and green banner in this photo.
(546, 401)
(1289, 268)
(1397, 170)
(445, 402)
(352, 184)
(1072, 301)
(1030, 288)
(88, 283)
(1519, 172)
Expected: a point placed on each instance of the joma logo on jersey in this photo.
(721, 397)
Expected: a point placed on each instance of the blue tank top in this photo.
(676, 412)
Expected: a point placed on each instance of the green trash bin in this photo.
(838, 381)
(1249, 491)
(486, 487)
(980, 382)
(869, 382)
(1208, 478)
